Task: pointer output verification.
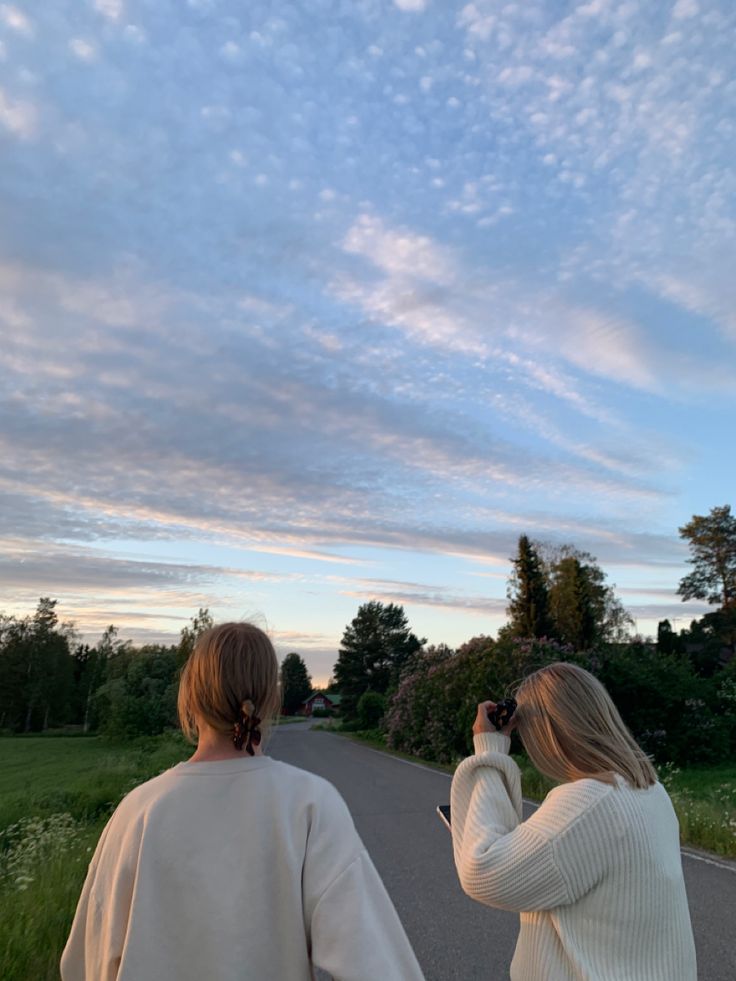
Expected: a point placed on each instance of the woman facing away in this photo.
(596, 871)
(233, 865)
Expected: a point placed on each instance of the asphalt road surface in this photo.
(393, 805)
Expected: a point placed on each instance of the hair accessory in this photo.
(247, 725)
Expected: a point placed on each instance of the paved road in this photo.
(393, 806)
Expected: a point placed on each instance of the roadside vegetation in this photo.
(56, 793)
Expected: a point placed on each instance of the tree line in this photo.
(51, 680)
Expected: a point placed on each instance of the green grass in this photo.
(704, 798)
(83, 777)
(55, 797)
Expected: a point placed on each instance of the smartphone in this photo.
(444, 813)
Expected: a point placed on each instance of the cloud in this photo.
(685, 9)
(431, 296)
(334, 296)
(411, 6)
(399, 252)
(627, 114)
(83, 49)
(58, 568)
(481, 606)
(112, 9)
(16, 20)
(19, 117)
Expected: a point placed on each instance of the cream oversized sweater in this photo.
(230, 871)
(596, 872)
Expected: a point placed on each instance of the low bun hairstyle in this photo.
(232, 664)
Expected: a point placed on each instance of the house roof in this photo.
(334, 697)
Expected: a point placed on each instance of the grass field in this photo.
(55, 797)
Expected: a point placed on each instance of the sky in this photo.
(308, 304)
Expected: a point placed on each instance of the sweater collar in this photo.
(214, 767)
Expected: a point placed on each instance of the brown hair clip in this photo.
(247, 725)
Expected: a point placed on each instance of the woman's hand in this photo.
(483, 723)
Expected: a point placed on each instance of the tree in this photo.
(667, 640)
(193, 631)
(142, 699)
(584, 610)
(296, 684)
(712, 541)
(528, 594)
(37, 669)
(711, 641)
(375, 648)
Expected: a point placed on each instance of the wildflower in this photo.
(32, 842)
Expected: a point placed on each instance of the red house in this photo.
(322, 701)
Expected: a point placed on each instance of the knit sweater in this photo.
(596, 872)
(234, 869)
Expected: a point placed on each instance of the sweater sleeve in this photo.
(94, 949)
(82, 957)
(513, 864)
(354, 932)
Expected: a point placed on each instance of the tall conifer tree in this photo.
(527, 592)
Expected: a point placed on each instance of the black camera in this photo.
(501, 715)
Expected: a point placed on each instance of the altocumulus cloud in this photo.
(375, 286)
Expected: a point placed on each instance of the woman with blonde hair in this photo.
(596, 871)
(233, 865)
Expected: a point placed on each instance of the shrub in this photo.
(432, 712)
(675, 714)
(371, 709)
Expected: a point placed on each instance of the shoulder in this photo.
(145, 794)
(580, 792)
(567, 805)
(306, 788)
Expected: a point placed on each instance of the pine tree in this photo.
(296, 684)
(712, 541)
(527, 593)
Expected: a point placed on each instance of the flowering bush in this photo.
(431, 714)
(674, 713)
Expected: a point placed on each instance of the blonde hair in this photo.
(231, 665)
(571, 729)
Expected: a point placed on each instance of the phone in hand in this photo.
(443, 810)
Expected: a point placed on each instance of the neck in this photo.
(213, 745)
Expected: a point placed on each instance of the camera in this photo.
(501, 715)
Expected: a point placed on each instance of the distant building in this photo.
(322, 701)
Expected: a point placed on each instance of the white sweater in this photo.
(596, 872)
(233, 870)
